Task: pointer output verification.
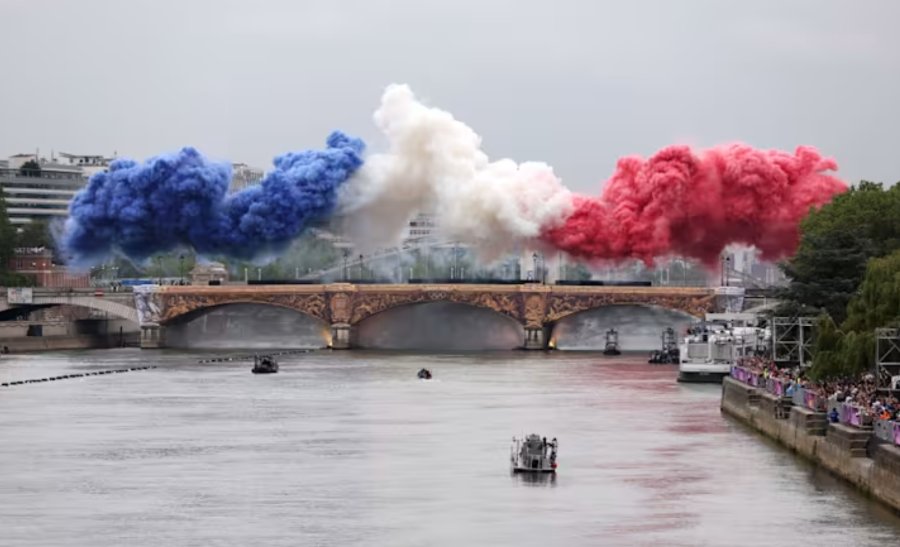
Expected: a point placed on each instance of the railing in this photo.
(849, 414)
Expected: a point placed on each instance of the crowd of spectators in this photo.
(861, 392)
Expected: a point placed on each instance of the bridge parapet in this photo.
(535, 307)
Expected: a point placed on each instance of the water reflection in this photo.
(534, 479)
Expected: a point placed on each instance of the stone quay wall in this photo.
(854, 454)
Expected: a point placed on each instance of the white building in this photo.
(242, 176)
(43, 194)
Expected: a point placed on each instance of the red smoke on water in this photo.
(693, 204)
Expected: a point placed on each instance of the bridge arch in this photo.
(562, 305)
(199, 312)
(369, 305)
(639, 326)
(112, 307)
(178, 308)
(439, 325)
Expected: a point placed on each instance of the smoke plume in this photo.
(179, 200)
(435, 164)
(694, 204)
(678, 202)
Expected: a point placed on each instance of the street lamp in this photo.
(346, 270)
(534, 277)
(726, 260)
(543, 269)
(181, 267)
(360, 266)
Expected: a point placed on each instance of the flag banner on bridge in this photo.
(19, 295)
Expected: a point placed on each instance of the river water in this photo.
(349, 448)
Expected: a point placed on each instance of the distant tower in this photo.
(243, 176)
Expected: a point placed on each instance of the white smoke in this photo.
(435, 164)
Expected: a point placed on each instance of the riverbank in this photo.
(853, 454)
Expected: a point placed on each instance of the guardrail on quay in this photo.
(848, 414)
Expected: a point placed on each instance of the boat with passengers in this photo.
(533, 454)
(265, 364)
(714, 345)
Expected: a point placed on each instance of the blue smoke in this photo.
(180, 200)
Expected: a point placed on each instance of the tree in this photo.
(7, 247)
(850, 350)
(30, 168)
(34, 234)
(836, 242)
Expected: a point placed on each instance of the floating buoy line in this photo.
(247, 357)
(250, 356)
(75, 375)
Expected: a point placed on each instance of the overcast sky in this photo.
(574, 83)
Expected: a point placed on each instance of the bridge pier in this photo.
(536, 338)
(151, 337)
(340, 336)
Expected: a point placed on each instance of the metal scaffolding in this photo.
(887, 358)
(792, 340)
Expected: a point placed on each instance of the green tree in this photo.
(851, 349)
(35, 234)
(30, 168)
(7, 248)
(836, 242)
(577, 272)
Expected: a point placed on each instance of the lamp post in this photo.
(726, 260)
(181, 267)
(360, 266)
(534, 276)
(346, 271)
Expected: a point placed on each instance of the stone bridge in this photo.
(535, 307)
(120, 305)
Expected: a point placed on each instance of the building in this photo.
(422, 226)
(211, 273)
(242, 176)
(43, 194)
(36, 263)
(90, 165)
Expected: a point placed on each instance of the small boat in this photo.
(669, 352)
(264, 365)
(612, 343)
(533, 454)
(424, 374)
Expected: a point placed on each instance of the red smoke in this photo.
(694, 204)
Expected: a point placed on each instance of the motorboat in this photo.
(265, 364)
(533, 454)
(714, 345)
(612, 343)
(669, 352)
(424, 374)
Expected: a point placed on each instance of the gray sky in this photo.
(574, 83)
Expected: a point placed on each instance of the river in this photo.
(349, 448)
